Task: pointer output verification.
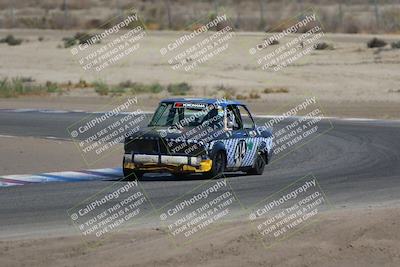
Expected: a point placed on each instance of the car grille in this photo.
(144, 145)
(174, 147)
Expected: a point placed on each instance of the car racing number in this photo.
(240, 152)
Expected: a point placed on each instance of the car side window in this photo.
(233, 118)
(246, 118)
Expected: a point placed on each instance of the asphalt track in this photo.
(357, 163)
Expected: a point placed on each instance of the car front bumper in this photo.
(157, 163)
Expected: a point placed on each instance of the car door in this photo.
(250, 135)
(237, 144)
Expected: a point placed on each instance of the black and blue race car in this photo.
(195, 135)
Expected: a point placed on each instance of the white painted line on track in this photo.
(53, 111)
(7, 136)
(23, 110)
(54, 138)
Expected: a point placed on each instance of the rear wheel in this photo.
(258, 166)
(218, 165)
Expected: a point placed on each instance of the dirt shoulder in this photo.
(271, 105)
(348, 237)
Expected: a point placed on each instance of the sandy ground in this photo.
(346, 237)
(350, 80)
(35, 155)
(343, 109)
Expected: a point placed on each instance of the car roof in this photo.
(222, 102)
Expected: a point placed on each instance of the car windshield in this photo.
(185, 114)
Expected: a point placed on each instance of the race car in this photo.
(196, 135)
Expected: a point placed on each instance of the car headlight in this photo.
(195, 160)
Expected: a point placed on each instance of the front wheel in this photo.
(258, 166)
(218, 165)
(132, 174)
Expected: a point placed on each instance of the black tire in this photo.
(258, 166)
(182, 175)
(131, 175)
(218, 165)
(126, 172)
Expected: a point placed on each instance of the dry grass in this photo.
(323, 46)
(277, 90)
(20, 86)
(376, 42)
